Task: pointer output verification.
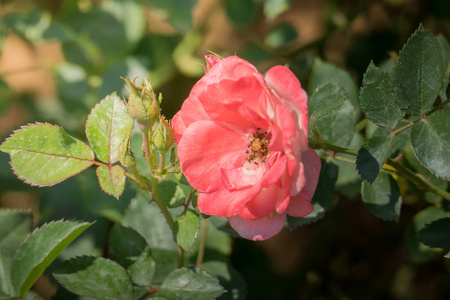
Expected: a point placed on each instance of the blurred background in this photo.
(59, 58)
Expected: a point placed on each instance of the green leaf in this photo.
(436, 234)
(382, 197)
(15, 225)
(417, 251)
(329, 90)
(179, 13)
(95, 277)
(240, 12)
(281, 35)
(430, 139)
(7, 290)
(418, 73)
(112, 179)
(186, 229)
(71, 83)
(323, 197)
(44, 154)
(172, 193)
(147, 220)
(333, 120)
(272, 8)
(190, 283)
(107, 126)
(323, 72)
(40, 249)
(377, 100)
(373, 154)
(130, 250)
(229, 278)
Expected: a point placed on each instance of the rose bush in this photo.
(243, 144)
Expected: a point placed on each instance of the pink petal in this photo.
(262, 204)
(312, 165)
(258, 230)
(204, 149)
(299, 207)
(178, 126)
(211, 61)
(286, 86)
(223, 203)
(191, 112)
(242, 177)
(297, 173)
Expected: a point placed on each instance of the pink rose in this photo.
(243, 144)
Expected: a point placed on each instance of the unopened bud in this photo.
(142, 103)
(126, 157)
(163, 135)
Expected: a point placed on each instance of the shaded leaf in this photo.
(229, 278)
(430, 139)
(417, 251)
(323, 196)
(40, 249)
(95, 277)
(436, 234)
(281, 35)
(186, 229)
(171, 193)
(44, 154)
(373, 154)
(107, 126)
(272, 8)
(15, 225)
(418, 73)
(7, 290)
(190, 283)
(382, 197)
(112, 179)
(240, 12)
(377, 99)
(129, 249)
(323, 72)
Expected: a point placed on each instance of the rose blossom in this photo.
(243, 144)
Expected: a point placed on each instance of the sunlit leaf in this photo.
(112, 179)
(186, 229)
(44, 154)
(107, 126)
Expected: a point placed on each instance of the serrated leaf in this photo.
(430, 139)
(171, 193)
(417, 251)
(190, 284)
(112, 179)
(229, 278)
(129, 249)
(418, 73)
(95, 277)
(382, 197)
(7, 290)
(377, 99)
(44, 154)
(436, 234)
(372, 155)
(323, 196)
(186, 229)
(40, 249)
(15, 225)
(107, 126)
(323, 72)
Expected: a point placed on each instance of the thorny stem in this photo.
(201, 249)
(390, 165)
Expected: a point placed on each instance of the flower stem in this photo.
(201, 248)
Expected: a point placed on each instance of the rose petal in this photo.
(243, 177)
(312, 165)
(202, 154)
(299, 207)
(223, 203)
(262, 204)
(258, 230)
(286, 86)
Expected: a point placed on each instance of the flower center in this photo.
(258, 147)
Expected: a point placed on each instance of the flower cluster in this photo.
(243, 144)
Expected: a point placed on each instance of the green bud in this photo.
(126, 157)
(142, 103)
(163, 135)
